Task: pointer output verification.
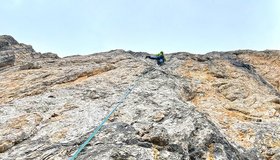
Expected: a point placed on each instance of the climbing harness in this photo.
(116, 105)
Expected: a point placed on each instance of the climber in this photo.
(159, 57)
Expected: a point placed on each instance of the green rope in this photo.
(128, 91)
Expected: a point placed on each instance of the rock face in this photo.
(6, 60)
(221, 105)
(6, 41)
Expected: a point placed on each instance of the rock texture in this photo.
(221, 105)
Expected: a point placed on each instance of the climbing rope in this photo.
(116, 105)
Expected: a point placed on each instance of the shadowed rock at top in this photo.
(221, 105)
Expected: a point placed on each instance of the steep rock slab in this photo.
(214, 106)
(133, 132)
(237, 101)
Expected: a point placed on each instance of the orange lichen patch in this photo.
(5, 145)
(199, 75)
(208, 92)
(68, 106)
(243, 138)
(102, 69)
(227, 119)
(83, 77)
(210, 153)
(57, 136)
(13, 85)
(79, 80)
(56, 117)
(271, 142)
(196, 100)
(261, 59)
(94, 72)
(262, 108)
(202, 75)
(155, 152)
(38, 118)
(18, 122)
(238, 115)
(98, 71)
(275, 143)
(189, 63)
(21, 121)
(217, 99)
(199, 72)
(267, 65)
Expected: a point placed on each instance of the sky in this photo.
(70, 27)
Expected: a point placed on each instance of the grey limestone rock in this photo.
(193, 107)
(7, 59)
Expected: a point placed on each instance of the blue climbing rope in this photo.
(116, 105)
